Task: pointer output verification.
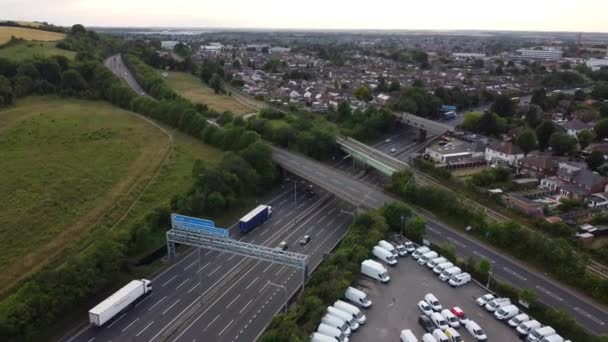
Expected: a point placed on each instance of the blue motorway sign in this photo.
(196, 224)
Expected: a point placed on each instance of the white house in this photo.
(574, 127)
(503, 152)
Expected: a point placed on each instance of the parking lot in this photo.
(394, 304)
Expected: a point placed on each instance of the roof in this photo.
(588, 178)
(576, 125)
(540, 162)
(505, 147)
(254, 212)
(118, 295)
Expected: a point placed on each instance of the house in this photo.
(598, 200)
(503, 152)
(574, 180)
(537, 166)
(455, 151)
(524, 204)
(574, 127)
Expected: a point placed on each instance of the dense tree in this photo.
(503, 106)
(585, 137)
(539, 98)
(562, 143)
(216, 84)
(527, 141)
(7, 95)
(344, 111)
(601, 129)
(363, 93)
(396, 215)
(595, 160)
(77, 29)
(604, 110)
(72, 81)
(394, 86)
(490, 124)
(470, 121)
(416, 229)
(544, 132)
(533, 118)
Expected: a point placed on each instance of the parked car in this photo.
(444, 265)
(460, 279)
(449, 273)
(304, 240)
(496, 303)
(462, 318)
(483, 300)
(330, 331)
(552, 338)
(357, 297)
(440, 336)
(439, 321)
(439, 260)
(353, 310)
(428, 338)
(453, 335)
(409, 246)
(419, 251)
(426, 323)
(476, 331)
(426, 257)
(433, 302)
(526, 327)
(538, 333)
(506, 312)
(425, 308)
(407, 336)
(450, 318)
(347, 317)
(336, 322)
(518, 319)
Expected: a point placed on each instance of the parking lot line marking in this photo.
(169, 308)
(155, 304)
(590, 316)
(246, 305)
(226, 327)
(144, 329)
(549, 293)
(128, 326)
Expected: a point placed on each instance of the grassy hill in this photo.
(6, 32)
(193, 89)
(72, 166)
(27, 50)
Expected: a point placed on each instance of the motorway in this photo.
(590, 315)
(118, 68)
(237, 301)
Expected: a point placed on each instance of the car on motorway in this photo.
(475, 330)
(483, 300)
(433, 302)
(304, 240)
(425, 308)
(387, 140)
(283, 246)
(393, 150)
(462, 318)
(426, 323)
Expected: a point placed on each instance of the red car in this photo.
(462, 318)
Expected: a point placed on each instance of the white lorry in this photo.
(120, 300)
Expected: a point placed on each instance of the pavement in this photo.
(237, 299)
(394, 308)
(354, 187)
(118, 68)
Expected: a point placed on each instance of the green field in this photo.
(6, 32)
(29, 50)
(193, 89)
(72, 166)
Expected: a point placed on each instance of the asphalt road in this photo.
(118, 67)
(589, 314)
(238, 303)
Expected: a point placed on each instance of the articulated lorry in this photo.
(120, 300)
(255, 217)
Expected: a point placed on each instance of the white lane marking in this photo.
(252, 282)
(234, 300)
(264, 231)
(144, 329)
(168, 281)
(321, 219)
(226, 327)
(180, 285)
(508, 270)
(193, 287)
(267, 267)
(91, 339)
(590, 316)
(208, 325)
(141, 302)
(233, 255)
(549, 293)
(192, 264)
(263, 287)
(456, 242)
(169, 308)
(128, 326)
(155, 304)
(202, 268)
(483, 256)
(279, 271)
(118, 319)
(246, 305)
(329, 213)
(330, 222)
(215, 270)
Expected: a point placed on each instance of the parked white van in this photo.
(375, 270)
(401, 250)
(519, 319)
(439, 321)
(407, 336)
(384, 255)
(353, 310)
(431, 300)
(496, 303)
(506, 312)
(449, 273)
(330, 331)
(409, 246)
(476, 331)
(357, 297)
(525, 327)
(419, 251)
(440, 267)
(428, 338)
(318, 337)
(538, 333)
(439, 260)
(440, 336)
(450, 318)
(336, 322)
(460, 279)
(426, 257)
(553, 338)
(347, 317)
(389, 247)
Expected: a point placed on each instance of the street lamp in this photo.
(282, 287)
(489, 276)
(295, 192)
(402, 218)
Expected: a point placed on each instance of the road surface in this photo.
(118, 67)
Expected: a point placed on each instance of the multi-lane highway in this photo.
(589, 314)
(118, 67)
(237, 300)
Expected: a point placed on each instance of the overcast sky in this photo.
(544, 15)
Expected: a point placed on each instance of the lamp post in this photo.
(282, 287)
(489, 276)
(295, 189)
(402, 218)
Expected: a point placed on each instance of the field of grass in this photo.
(28, 50)
(6, 32)
(65, 164)
(193, 89)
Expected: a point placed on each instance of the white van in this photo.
(476, 331)
(519, 319)
(389, 247)
(336, 322)
(439, 321)
(496, 303)
(351, 309)
(345, 316)
(407, 336)
(375, 270)
(460, 279)
(384, 255)
(426, 257)
(428, 338)
(506, 312)
(440, 267)
(401, 250)
(409, 246)
(439, 260)
(450, 318)
(318, 337)
(538, 333)
(357, 297)
(419, 251)
(433, 302)
(449, 273)
(525, 327)
(553, 338)
(440, 336)
(330, 331)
